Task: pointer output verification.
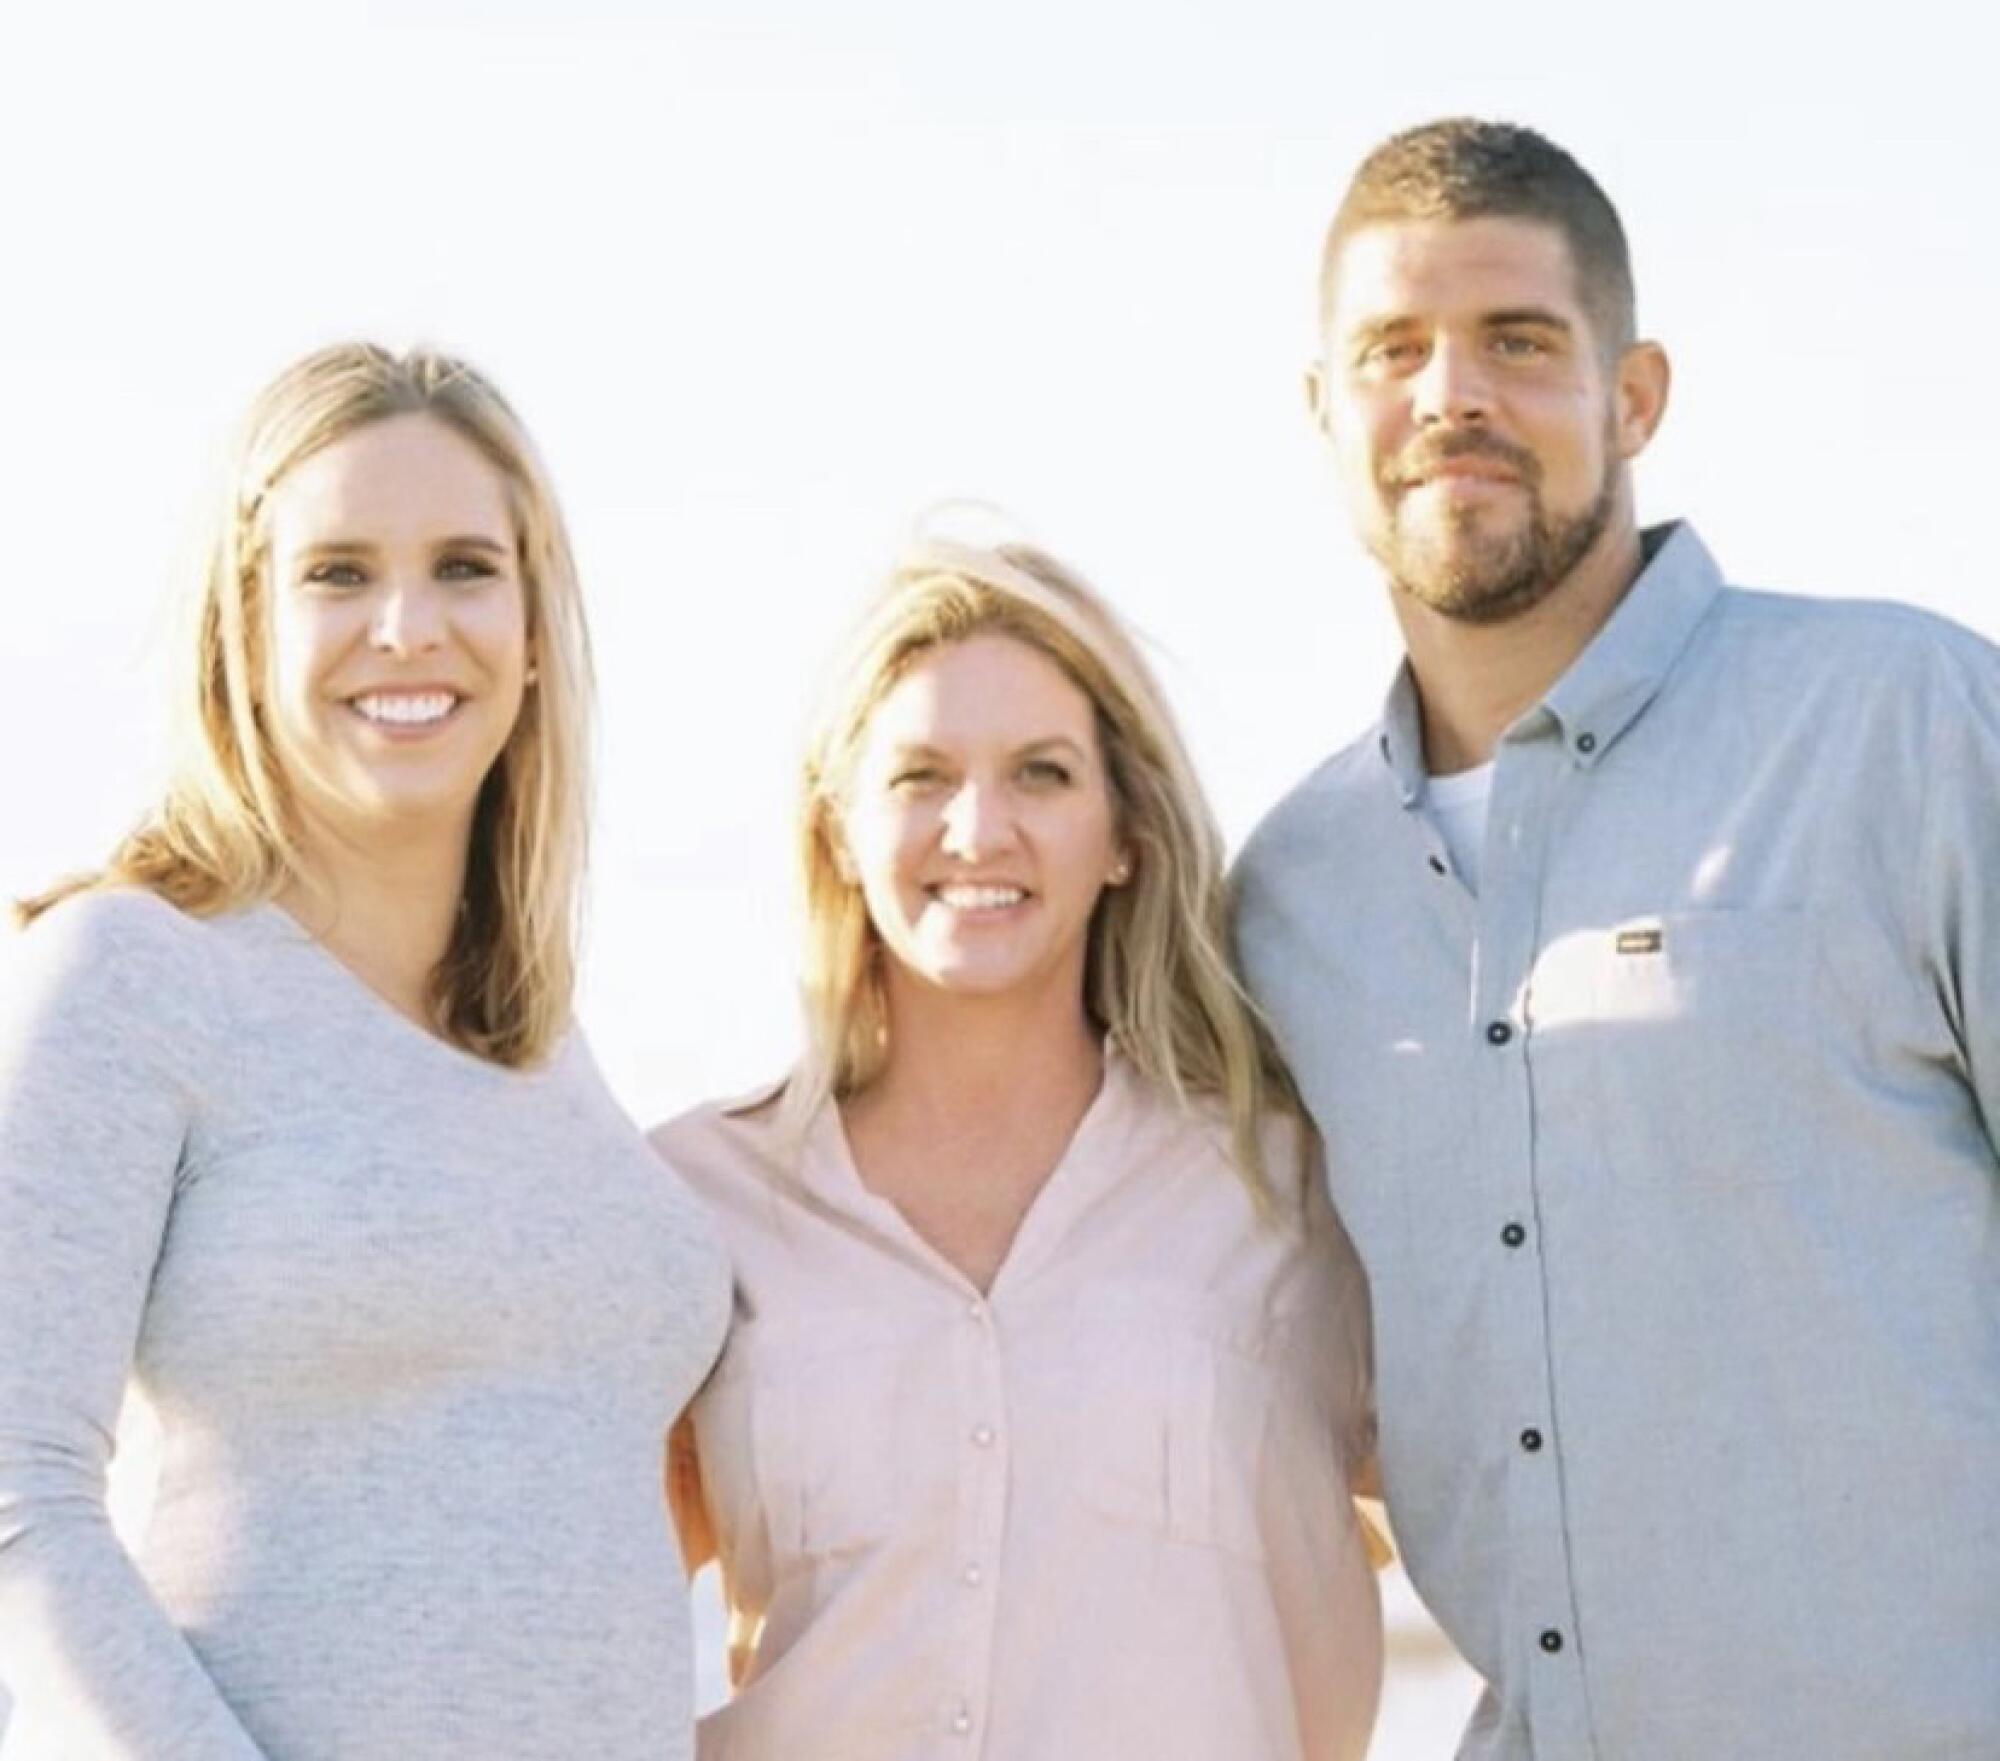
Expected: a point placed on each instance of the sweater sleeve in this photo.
(1959, 952)
(104, 1010)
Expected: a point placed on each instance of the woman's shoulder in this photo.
(114, 980)
(132, 918)
(1196, 1129)
(120, 948)
(729, 1142)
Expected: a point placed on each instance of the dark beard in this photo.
(1488, 581)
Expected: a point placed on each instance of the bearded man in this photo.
(1640, 970)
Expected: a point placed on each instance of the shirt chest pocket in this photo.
(811, 1427)
(1173, 1420)
(1693, 1039)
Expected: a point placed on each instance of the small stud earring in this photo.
(1121, 872)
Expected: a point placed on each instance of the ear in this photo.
(1314, 386)
(1639, 390)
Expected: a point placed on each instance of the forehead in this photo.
(405, 476)
(1442, 271)
(982, 689)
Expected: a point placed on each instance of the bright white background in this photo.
(765, 277)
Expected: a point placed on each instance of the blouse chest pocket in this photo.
(1173, 1420)
(805, 1425)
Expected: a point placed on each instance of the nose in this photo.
(976, 821)
(1452, 385)
(409, 617)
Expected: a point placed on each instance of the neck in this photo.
(1475, 680)
(956, 1058)
(384, 905)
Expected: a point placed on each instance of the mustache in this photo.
(1424, 457)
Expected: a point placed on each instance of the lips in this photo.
(978, 896)
(1483, 460)
(421, 707)
(1461, 472)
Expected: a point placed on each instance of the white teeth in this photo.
(964, 898)
(404, 709)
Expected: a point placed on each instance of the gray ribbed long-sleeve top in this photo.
(414, 1325)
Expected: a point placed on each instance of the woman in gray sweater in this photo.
(297, 1140)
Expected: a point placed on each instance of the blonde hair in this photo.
(1158, 979)
(224, 834)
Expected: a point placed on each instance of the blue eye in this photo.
(336, 574)
(1392, 352)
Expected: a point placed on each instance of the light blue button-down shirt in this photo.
(1671, 1159)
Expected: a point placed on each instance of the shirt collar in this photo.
(1606, 687)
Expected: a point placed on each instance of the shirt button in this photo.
(973, 1575)
(1498, 1033)
(1513, 1235)
(982, 1436)
(976, 1309)
(1586, 743)
(1531, 1439)
(1552, 1641)
(961, 1723)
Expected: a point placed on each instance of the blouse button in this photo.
(961, 1722)
(982, 1436)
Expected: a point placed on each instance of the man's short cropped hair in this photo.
(1465, 169)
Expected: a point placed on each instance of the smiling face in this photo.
(1480, 430)
(398, 629)
(979, 822)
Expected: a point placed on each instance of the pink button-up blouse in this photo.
(1097, 1513)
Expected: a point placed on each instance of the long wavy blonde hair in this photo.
(1158, 978)
(225, 833)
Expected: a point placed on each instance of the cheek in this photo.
(497, 625)
(1360, 449)
(1088, 849)
(299, 648)
(884, 847)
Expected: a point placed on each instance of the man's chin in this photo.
(1471, 583)
(1481, 602)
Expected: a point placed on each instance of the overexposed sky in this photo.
(764, 278)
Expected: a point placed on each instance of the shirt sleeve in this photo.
(100, 1021)
(1960, 932)
(1356, 1392)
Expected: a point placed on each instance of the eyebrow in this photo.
(1048, 743)
(904, 750)
(1370, 329)
(359, 547)
(1540, 316)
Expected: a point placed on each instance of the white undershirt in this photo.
(1457, 806)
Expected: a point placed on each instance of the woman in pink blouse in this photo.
(1049, 1374)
